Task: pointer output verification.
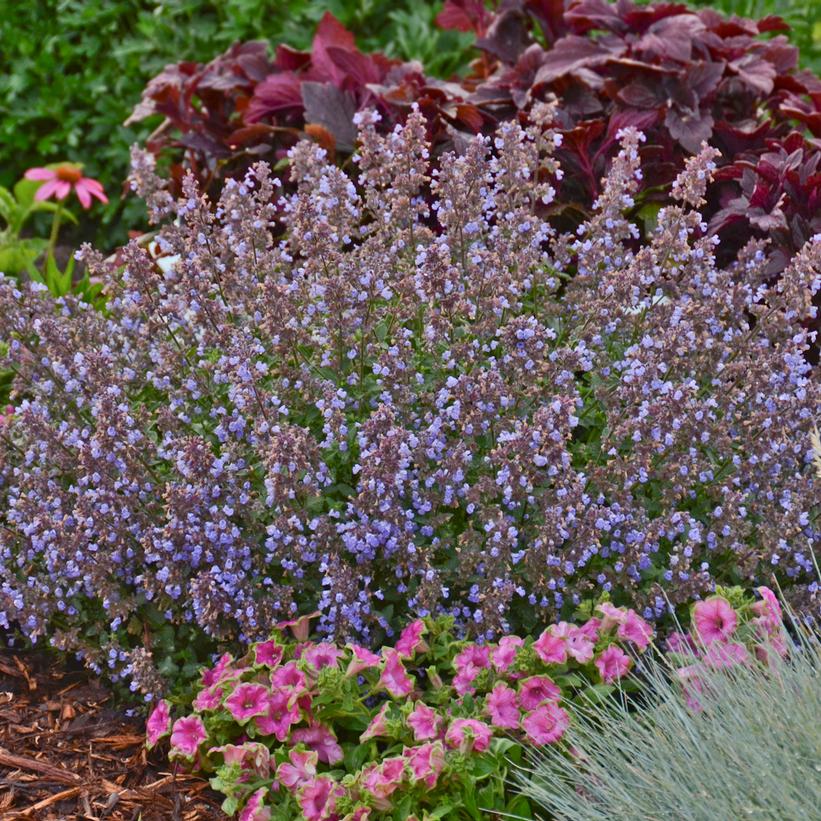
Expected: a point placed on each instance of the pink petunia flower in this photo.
(769, 606)
(411, 641)
(298, 770)
(254, 809)
(771, 649)
(216, 673)
(563, 629)
(469, 662)
(536, 690)
(466, 734)
(692, 683)
(361, 659)
(546, 724)
(247, 701)
(612, 664)
(504, 654)
(300, 627)
(317, 798)
(502, 705)
(58, 183)
(426, 762)
(579, 646)
(394, 677)
(320, 739)
(322, 655)
(613, 615)
(251, 756)
(187, 735)
(377, 726)
(209, 699)
(590, 629)
(280, 714)
(463, 682)
(551, 649)
(475, 656)
(635, 630)
(290, 679)
(730, 654)
(268, 653)
(714, 619)
(424, 721)
(681, 643)
(159, 723)
(382, 780)
(362, 813)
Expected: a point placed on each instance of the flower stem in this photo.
(55, 230)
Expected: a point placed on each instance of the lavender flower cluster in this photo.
(349, 400)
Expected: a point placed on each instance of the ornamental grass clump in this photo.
(349, 400)
(740, 739)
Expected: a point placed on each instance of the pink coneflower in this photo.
(58, 183)
(546, 724)
(612, 664)
(715, 619)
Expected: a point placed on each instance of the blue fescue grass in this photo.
(754, 752)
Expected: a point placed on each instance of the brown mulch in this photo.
(67, 753)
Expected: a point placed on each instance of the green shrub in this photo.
(74, 69)
(752, 751)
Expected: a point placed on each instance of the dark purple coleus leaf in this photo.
(329, 106)
(276, 93)
(464, 15)
(572, 53)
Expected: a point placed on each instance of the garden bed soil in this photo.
(67, 753)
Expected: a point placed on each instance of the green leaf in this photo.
(8, 205)
(24, 191)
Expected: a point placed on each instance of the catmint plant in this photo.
(396, 393)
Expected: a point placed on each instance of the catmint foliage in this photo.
(394, 392)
